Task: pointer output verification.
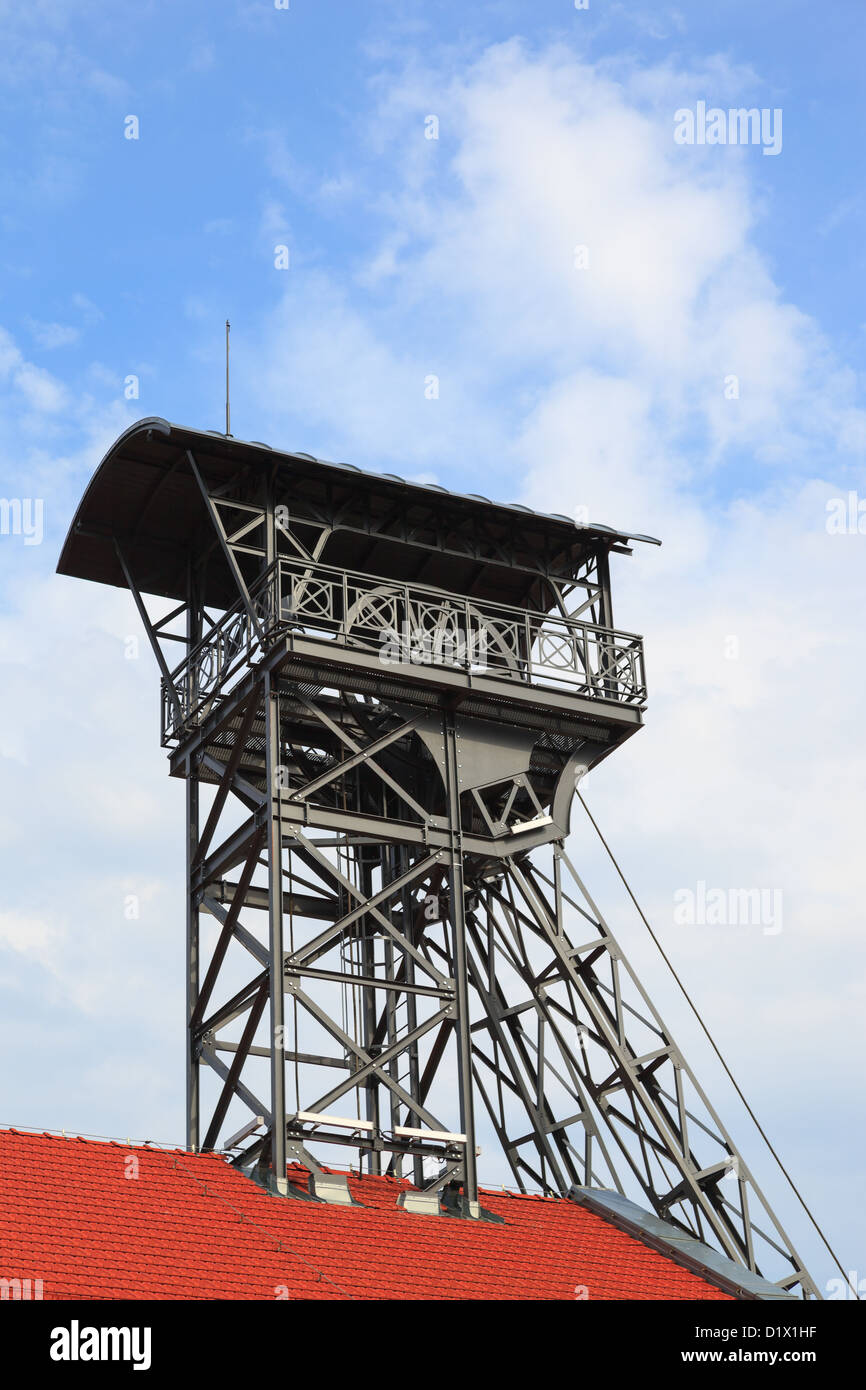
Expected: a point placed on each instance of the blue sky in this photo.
(558, 387)
(243, 107)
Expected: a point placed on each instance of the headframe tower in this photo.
(385, 696)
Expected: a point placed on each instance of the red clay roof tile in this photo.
(78, 1216)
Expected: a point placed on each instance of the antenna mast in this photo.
(228, 413)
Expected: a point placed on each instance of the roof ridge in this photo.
(159, 1146)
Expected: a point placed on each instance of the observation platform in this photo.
(365, 580)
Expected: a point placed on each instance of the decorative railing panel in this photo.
(403, 624)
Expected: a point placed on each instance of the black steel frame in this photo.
(383, 851)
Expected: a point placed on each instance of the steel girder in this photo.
(472, 977)
(584, 1084)
(398, 927)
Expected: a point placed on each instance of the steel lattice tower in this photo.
(386, 695)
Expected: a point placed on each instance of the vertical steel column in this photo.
(275, 889)
(391, 1034)
(275, 938)
(458, 924)
(400, 866)
(368, 957)
(605, 617)
(193, 825)
(603, 571)
(192, 964)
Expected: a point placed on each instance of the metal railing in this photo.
(403, 624)
(209, 673)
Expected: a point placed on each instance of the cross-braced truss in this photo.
(397, 937)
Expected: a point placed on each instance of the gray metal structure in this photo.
(385, 697)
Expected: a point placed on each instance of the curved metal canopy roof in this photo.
(145, 494)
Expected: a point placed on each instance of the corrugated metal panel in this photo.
(144, 491)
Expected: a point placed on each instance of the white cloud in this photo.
(31, 937)
(52, 335)
(40, 390)
(36, 388)
(89, 311)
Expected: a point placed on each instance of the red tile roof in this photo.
(97, 1220)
